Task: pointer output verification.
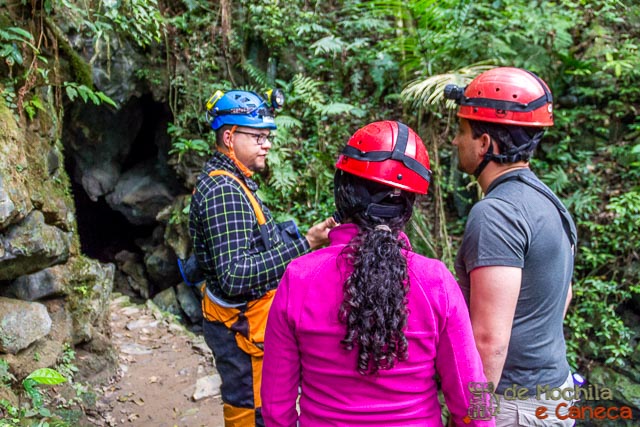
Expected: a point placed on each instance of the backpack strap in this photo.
(567, 224)
(262, 221)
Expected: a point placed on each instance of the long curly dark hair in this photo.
(374, 307)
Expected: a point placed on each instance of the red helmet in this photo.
(390, 153)
(507, 95)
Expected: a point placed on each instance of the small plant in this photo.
(181, 144)
(5, 375)
(9, 41)
(73, 90)
(16, 416)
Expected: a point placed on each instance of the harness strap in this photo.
(262, 221)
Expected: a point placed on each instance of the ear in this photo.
(227, 139)
(485, 143)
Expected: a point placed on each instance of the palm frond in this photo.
(430, 91)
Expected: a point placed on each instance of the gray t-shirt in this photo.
(517, 226)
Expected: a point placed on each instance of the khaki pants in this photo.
(529, 412)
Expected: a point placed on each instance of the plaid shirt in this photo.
(227, 241)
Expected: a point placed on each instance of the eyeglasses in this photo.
(261, 138)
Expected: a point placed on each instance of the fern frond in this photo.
(329, 44)
(336, 108)
(287, 122)
(307, 89)
(257, 75)
(311, 28)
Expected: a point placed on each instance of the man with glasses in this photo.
(239, 248)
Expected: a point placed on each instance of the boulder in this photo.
(625, 390)
(21, 323)
(32, 245)
(139, 195)
(190, 303)
(43, 284)
(90, 284)
(45, 352)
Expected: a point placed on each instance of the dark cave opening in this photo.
(103, 231)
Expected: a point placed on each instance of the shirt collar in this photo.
(220, 161)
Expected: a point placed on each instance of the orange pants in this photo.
(236, 337)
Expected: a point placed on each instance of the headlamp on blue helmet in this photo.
(243, 108)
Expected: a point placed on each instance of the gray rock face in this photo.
(21, 323)
(32, 287)
(139, 195)
(190, 303)
(7, 207)
(92, 284)
(15, 202)
(31, 246)
(168, 301)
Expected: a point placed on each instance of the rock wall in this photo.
(51, 295)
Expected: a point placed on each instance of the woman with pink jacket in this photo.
(365, 331)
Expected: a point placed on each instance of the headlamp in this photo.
(275, 97)
(454, 92)
(214, 98)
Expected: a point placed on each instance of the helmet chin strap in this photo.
(506, 158)
(488, 156)
(232, 155)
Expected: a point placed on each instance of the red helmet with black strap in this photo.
(390, 153)
(505, 95)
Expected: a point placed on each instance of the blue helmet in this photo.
(239, 108)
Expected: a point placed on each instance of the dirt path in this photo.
(160, 365)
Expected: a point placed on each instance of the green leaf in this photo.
(92, 96)
(47, 376)
(329, 44)
(336, 108)
(21, 32)
(72, 93)
(106, 99)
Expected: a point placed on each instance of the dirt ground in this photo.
(160, 364)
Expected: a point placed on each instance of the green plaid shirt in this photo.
(226, 237)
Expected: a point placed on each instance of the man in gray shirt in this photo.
(516, 260)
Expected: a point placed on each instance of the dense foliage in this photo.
(345, 63)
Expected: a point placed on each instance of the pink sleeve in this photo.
(458, 362)
(281, 365)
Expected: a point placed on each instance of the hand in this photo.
(318, 235)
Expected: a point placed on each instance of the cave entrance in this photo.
(103, 230)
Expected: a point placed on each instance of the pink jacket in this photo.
(302, 349)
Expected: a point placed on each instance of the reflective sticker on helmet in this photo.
(267, 119)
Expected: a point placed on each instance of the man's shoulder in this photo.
(495, 202)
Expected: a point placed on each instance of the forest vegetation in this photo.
(346, 63)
